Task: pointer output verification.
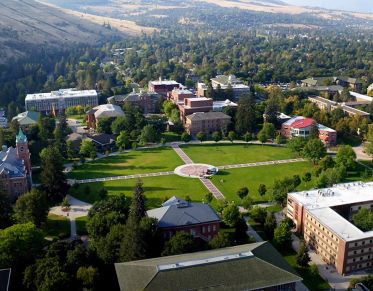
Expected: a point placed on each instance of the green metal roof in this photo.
(21, 137)
(263, 268)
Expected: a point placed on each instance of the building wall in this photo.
(205, 231)
(162, 89)
(14, 187)
(206, 126)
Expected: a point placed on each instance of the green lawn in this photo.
(133, 162)
(227, 154)
(57, 226)
(81, 225)
(156, 189)
(229, 181)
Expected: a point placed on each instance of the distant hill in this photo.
(28, 24)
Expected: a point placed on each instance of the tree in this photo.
(65, 204)
(314, 150)
(307, 177)
(282, 235)
(6, 210)
(246, 115)
(209, 197)
(230, 214)
(123, 140)
(269, 130)
(247, 137)
(185, 137)
(180, 243)
(272, 110)
(247, 202)
(259, 214)
(270, 225)
(296, 181)
(346, 157)
(280, 139)
(314, 131)
(19, 245)
(216, 136)
(201, 136)
(148, 134)
(363, 219)
(104, 125)
(262, 189)
(32, 207)
(262, 136)
(221, 240)
(88, 276)
(232, 135)
(138, 209)
(326, 162)
(70, 150)
(242, 192)
(296, 145)
(303, 258)
(88, 149)
(52, 178)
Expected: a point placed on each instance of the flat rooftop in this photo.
(62, 93)
(319, 202)
(164, 82)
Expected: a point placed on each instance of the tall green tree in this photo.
(138, 208)
(32, 207)
(246, 115)
(180, 243)
(272, 110)
(363, 219)
(53, 180)
(303, 257)
(6, 210)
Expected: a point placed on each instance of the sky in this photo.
(349, 5)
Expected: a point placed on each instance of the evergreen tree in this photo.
(272, 110)
(246, 115)
(303, 258)
(138, 209)
(53, 179)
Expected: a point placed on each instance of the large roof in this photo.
(176, 212)
(207, 116)
(244, 267)
(62, 93)
(302, 123)
(10, 163)
(107, 110)
(320, 202)
(27, 118)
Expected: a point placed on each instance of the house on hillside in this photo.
(199, 219)
(256, 266)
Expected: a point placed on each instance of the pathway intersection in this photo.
(188, 161)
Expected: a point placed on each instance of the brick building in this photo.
(163, 86)
(176, 215)
(206, 122)
(300, 126)
(193, 105)
(329, 82)
(102, 111)
(15, 167)
(256, 266)
(149, 102)
(324, 217)
(178, 95)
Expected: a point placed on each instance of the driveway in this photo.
(360, 155)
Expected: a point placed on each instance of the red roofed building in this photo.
(300, 126)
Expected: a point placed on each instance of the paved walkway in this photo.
(135, 176)
(181, 154)
(360, 154)
(212, 188)
(77, 209)
(257, 164)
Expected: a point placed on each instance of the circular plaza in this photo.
(196, 170)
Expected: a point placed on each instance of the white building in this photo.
(238, 87)
(60, 100)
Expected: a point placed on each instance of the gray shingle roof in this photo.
(244, 267)
(10, 163)
(176, 212)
